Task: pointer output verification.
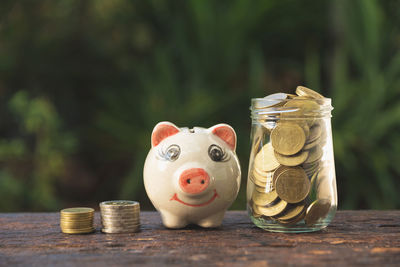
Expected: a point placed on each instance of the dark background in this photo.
(82, 84)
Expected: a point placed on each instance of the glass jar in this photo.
(291, 184)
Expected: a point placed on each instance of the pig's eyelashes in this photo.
(217, 154)
(171, 153)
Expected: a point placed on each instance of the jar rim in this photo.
(262, 108)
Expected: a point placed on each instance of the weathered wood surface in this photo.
(353, 238)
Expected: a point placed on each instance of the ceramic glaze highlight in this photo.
(192, 176)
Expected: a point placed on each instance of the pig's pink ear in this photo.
(161, 131)
(226, 133)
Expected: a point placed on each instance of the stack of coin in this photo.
(77, 220)
(285, 169)
(120, 216)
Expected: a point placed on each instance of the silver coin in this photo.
(119, 204)
(122, 223)
(109, 231)
(119, 212)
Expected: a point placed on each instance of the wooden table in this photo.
(353, 238)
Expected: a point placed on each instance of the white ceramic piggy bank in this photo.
(193, 175)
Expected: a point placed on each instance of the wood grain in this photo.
(353, 238)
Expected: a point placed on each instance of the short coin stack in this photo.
(77, 220)
(285, 169)
(120, 216)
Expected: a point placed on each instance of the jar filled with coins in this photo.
(291, 182)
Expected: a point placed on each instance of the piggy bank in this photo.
(192, 176)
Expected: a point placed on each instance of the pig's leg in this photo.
(214, 220)
(172, 221)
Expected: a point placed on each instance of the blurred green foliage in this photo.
(82, 84)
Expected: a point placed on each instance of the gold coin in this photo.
(314, 179)
(255, 211)
(73, 227)
(294, 220)
(264, 199)
(265, 159)
(310, 166)
(293, 160)
(77, 216)
(89, 219)
(315, 133)
(310, 172)
(304, 91)
(317, 210)
(287, 139)
(267, 184)
(306, 129)
(301, 108)
(262, 177)
(302, 123)
(63, 220)
(278, 171)
(274, 209)
(310, 145)
(292, 185)
(80, 231)
(257, 182)
(76, 211)
(262, 189)
(76, 219)
(292, 212)
(314, 155)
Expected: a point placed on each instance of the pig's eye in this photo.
(172, 152)
(216, 153)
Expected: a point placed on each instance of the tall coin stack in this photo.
(77, 220)
(285, 170)
(120, 216)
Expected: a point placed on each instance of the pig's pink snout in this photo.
(194, 181)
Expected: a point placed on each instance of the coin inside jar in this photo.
(293, 160)
(314, 155)
(274, 209)
(300, 107)
(264, 199)
(292, 212)
(292, 185)
(265, 159)
(317, 210)
(315, 133)
(287, 138)
(304, 91)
